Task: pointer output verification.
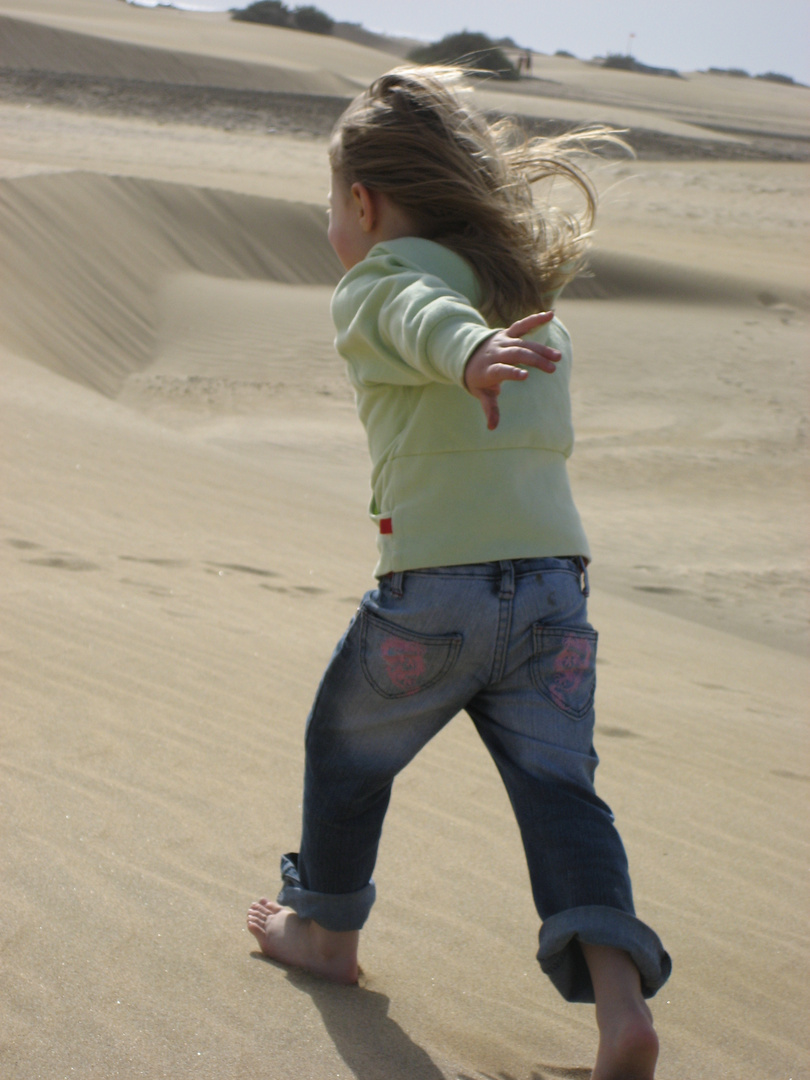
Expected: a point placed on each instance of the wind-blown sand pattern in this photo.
(184, 538)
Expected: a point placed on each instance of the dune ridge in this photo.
(87, 253)
(198, 34)
(615, 275)
(97, 247)
(28, 46)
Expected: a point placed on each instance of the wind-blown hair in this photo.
(466, 183)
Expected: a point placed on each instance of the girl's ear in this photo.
(364, 206)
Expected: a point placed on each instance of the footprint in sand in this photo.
(786, 774)
(64, 562)
(59, 560)
(239, 568)
(309, 590)
(175, 563)
(661, 590)
(618, 732)
(23, 545)
(719, 686)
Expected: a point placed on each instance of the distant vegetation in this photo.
(773, 76)
(769, 76)
(470, 50)
(735, 73)
(624, 62)
(274, 13)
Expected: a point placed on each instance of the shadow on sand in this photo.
(373, 1045)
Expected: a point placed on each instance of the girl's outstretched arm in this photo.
(505, 356)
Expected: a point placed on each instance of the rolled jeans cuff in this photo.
(562, 959)
(332, 911)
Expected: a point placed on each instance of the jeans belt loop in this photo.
(396, 585)
(507, 590)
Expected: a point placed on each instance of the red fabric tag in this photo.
(386, 526)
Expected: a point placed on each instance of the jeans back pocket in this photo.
(399, 662)
(564, 667)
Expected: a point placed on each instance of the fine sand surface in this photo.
(184, 538)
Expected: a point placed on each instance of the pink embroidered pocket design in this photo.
(571, 666)
(564, 667)
(404, 662)
(399, 662)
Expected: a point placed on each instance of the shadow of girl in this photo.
(372, 1044)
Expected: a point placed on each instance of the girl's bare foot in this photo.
(628, 1045)
(302, 943)
(628, 1048)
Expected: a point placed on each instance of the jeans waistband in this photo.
(494, 570)
(505, 571)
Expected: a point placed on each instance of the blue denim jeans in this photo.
(509, 643)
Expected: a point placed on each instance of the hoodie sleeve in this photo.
(397, 324)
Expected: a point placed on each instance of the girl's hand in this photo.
(504, 356)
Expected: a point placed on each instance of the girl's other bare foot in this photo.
(628, 1045)
(302, 943)
(628, 1048)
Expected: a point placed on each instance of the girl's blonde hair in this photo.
(467, 183)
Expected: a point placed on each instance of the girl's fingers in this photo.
(514, 370)
(493, 415)
(531, 322)
(489, 403)
(544, 358)
(502, 372)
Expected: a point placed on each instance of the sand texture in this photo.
(184, 537)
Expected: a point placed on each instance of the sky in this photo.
(755, 35)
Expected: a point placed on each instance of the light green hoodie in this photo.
(447, 491)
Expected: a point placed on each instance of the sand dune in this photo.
(100, 37)
(616, 275)
(698, 98)
(27, 46)
(183, 538)
(83, 295)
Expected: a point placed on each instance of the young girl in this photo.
(480, 604)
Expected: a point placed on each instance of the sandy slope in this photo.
(183, 539)
(28, 46)
(92, 320)
(117, 28)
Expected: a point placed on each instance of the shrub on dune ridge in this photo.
(774, 76)
(275, 13)
(769, 76)
(735, 73)
(625, 62)
(313, 20)
(269, 12)
(467, 49)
